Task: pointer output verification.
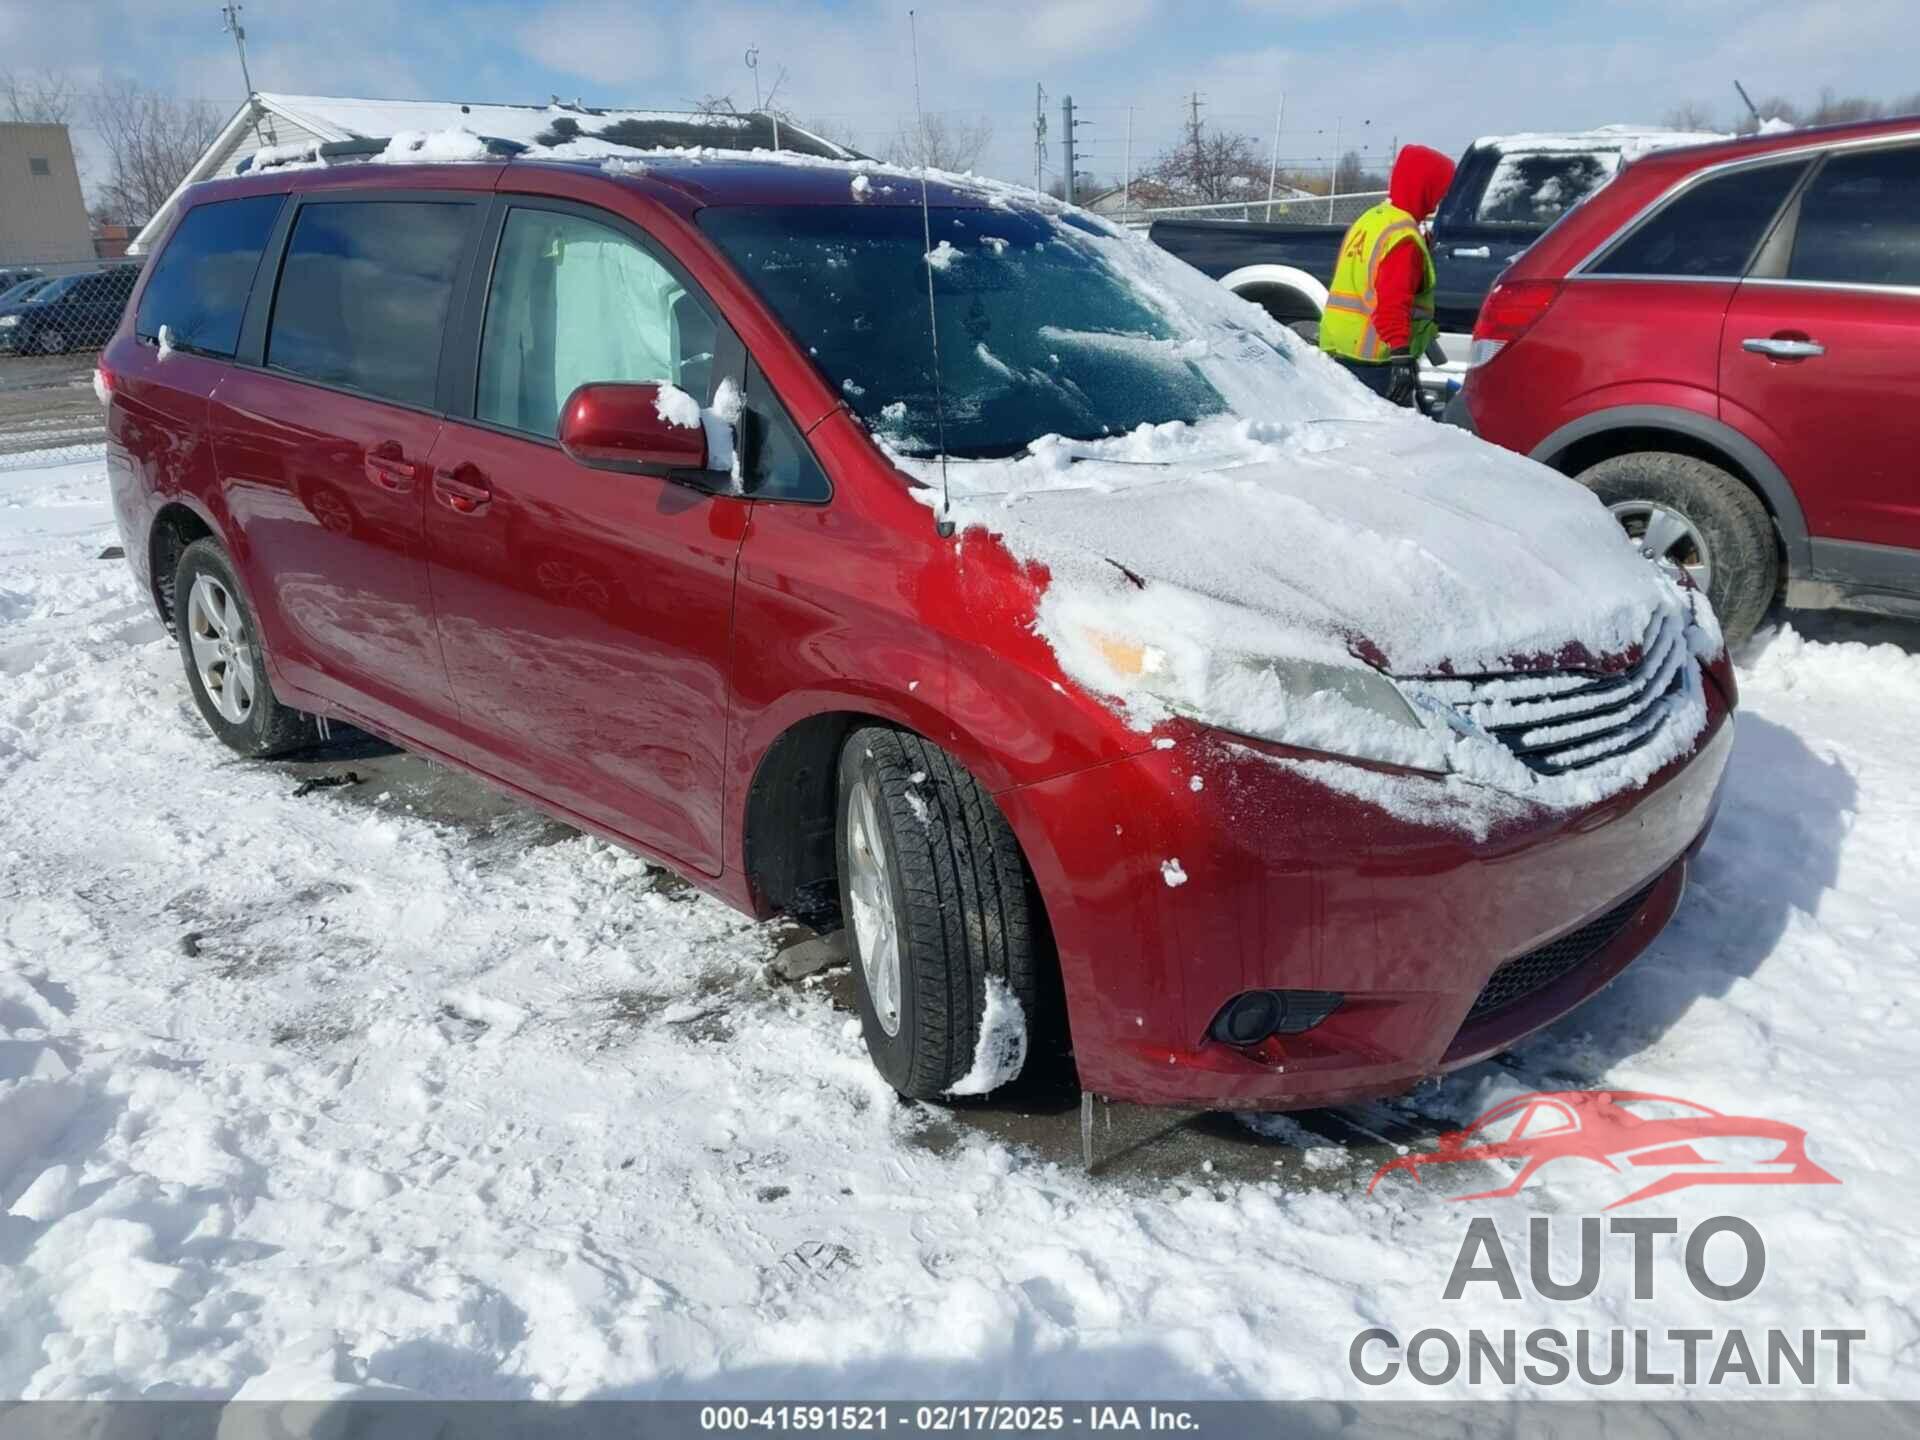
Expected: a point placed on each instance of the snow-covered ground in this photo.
(302, 1093)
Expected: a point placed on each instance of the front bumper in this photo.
(1291, 885)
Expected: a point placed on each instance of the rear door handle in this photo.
(463, 489)
(390, 470)
(1779, 347)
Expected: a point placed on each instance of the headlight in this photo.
(1349, 710)
(7, 322)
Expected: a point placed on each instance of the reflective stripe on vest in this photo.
(1347, 328)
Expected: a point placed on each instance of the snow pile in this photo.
(164, 340)
(677, 408)
(414, 147)
(300, 1094)
(1001, 1048)
(1774, 125)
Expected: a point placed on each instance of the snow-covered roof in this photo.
(256, 130)
(1630, 140)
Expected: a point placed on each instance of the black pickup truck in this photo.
(1505, 194)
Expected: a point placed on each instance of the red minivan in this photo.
(1721, 343)
(938, 562)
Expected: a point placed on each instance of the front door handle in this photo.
(389, 469)
(1476, 252)
(1782, 347)
(463, 489)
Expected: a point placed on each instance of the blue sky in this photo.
(1439, 72)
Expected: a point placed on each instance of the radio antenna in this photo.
(944, 525)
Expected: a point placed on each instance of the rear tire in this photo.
(962, 907)
(1744, 558)
(226, 667)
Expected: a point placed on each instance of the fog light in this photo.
(1249, 1018)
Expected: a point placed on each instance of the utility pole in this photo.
(1066, 121)
(1333, 181)
(1039, 136)
(1273, 161)
(1126, 185)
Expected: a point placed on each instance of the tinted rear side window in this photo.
(1860, 221)
(202, 279)
(1711, 231)
(364, 295)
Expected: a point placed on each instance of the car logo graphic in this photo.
(1676, 1143)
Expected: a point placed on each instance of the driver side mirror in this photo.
(645, 429)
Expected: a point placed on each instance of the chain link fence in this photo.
(54, 317)
(1295, 210)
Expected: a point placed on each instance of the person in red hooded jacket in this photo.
(1379, 316)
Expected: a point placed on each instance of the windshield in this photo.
(22, 291)
(55, 288)
(1040, 331)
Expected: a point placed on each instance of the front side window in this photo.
(364, 295)
(202, 279)
(574, 301)
(1039, 332)
(1860, 221)
(1710, 231)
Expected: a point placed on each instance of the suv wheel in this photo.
(1704, 520)
(226, 669)
(937, 902)
(52, 342)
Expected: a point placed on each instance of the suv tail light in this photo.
(102, 384)
(1508, 312)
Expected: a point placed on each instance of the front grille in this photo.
(1555, 721)
(1537, 969)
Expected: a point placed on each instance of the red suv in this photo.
(1119, 671)
(1721, 344)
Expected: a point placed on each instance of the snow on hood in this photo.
(1316, 526)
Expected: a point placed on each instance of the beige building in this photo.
(42, 215)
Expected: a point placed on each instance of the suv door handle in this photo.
(389, 469)
(1473, 252)
(1780, 347)
(463, 489)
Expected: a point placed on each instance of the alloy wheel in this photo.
(1662, 533)
(876, 927)
(221, 652)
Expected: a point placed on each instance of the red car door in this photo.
(322, 454)
(586, 616)
(1818, 356)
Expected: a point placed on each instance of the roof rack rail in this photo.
(359, 148)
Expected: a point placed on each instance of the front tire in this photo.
(226, 668)
(1702, 518)
(937, 900)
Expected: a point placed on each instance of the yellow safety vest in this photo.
(1346, 329)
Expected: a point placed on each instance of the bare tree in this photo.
(42, 98)
(1209, 167)
(150, 141)
(940, 142)
(1354, 177)
(1691, 116)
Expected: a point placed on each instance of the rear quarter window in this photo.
(1709, 231)
(203, 278)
